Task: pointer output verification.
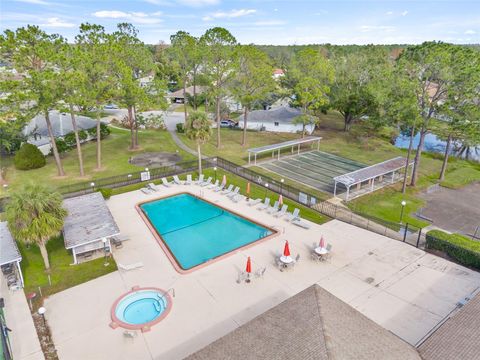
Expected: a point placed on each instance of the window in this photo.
(276, 123)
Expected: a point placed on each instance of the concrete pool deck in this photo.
(402, 288)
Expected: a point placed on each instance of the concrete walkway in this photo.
(402, 288)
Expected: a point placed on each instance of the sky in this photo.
(284, 22)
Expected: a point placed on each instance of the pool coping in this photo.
(170, 255)
(116, 322)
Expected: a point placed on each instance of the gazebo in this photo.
(89, 225)
(10, 258)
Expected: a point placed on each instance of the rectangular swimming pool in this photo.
(196, 231)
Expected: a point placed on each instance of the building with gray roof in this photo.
(10, 257)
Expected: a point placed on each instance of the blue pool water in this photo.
(196, 231)
(141, 307)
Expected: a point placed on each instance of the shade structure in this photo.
(280, 200)
(248, 188)
(286, 249)
(224, 180)
(322, 242)
(249, 266)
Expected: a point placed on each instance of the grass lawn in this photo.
(115, 155)
(458, 176)
(62, 274)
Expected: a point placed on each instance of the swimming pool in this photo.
(196, 231)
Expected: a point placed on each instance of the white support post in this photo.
(20, 273)
(372, 185)
(393, 177)
(318, 145)
(278, 154)
(74, 256)
(298, 149)
(335, 189)
(249, 158)
(292, 149)
(348, 193)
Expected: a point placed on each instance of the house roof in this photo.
(313, 324)
(89, 219)
(8, 248)
(282, 115)
(61, 126)
(456, 338)
(372, 171)
(189, 90)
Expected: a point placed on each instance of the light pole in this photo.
(266, 190)
(281, 186)
(215, 169)
(104, 240)
(92, 184)
(41, 312)
(403, 208)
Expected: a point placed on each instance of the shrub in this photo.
(106, 192)
(104, 131)
(464, 250)
(29, 157)
(62, 146)
(70, 138)
(180, 128)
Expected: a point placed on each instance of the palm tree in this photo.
(198, 128)
(34, 215)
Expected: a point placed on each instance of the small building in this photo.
(278, 73)
(178, 98)
(37, 132)
(10, 258)
(276, 120)
(89, 226)
(313, 324)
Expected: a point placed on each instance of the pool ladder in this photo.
(172, 290)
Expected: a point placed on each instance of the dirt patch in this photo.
(454, 210)
(154, 159)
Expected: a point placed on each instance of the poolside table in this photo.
(286, 259)
(321, 251)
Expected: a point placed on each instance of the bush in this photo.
(464, 250)
(70, 138)
(180, 128)
(62, 146)
(106, 192)
(104, 131)
(29, 157)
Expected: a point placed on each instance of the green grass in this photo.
(458, 247)
(63, 275)
(115, 155)
(181, 107)
(457, 177)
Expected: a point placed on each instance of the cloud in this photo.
(134, 16)
(36, 2)
(111, 14)
(198, 3)
(55, 22)
(389, 13)
(229, 15)
(269, 22)
(369, 28)
(404, 13)
(470, 32)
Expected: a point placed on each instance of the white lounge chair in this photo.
(294, 215)
(234, 193)
(153, 187)
(228, 190)
(282, 211)
(208, 182)
(213, 186)
(238, 198)
(146, 191)
(301, 223)
(165, 182)
(200, 179)
(189, 180)
(219, 188)
(128, 267)
(274, 208)
(252, 202)
(260, 272)
(177, 181)
(265, 204)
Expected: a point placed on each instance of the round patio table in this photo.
(286, 259)
(321, 251)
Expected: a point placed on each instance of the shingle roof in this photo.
(313, 324)
(8, 248)
(88, 220)
(189, 90)
(282, 115)
(458, 337)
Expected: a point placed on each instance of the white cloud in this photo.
(368, 28)
(36, 2)
(229, 15)
(111, 14)
(198, 3)
(269, 22)
(404, 13)
(389, 13)
(470, 32)
(55, 22)
(135, 17)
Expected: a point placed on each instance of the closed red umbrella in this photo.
(322, 242)
(248, 189)
(280, 200)
(249, 266)
(286, 250)
(224, 180)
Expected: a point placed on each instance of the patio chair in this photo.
(200, 179)
(301, 223)
(297, 258)
(238, 198)
(282, 211)
(213, 186)
(260, 272)
(273, 208)
(207, 182)
(242, 276)
(252, 202)
(177, 181)
(294, 215)
(153, 186)
(146, 190)
(129, 267)
(265, 204)
(234, 193)
(189, 180)
(130, 334)
(165, 182)
(219, 188)
(228, 190)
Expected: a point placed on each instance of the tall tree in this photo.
(219, 63)
(198, 128)
(253, 82)
(35, 215)
(309, 77)
(96, 62)
(34, 54)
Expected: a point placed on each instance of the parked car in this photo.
(110, 107)
(228, 123)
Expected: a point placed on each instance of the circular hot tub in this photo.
(140, 308)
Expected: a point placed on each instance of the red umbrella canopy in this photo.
(224, 180)
(248, 188)
(280, 200)
(249, 266)
(322, 242)
(286, 250)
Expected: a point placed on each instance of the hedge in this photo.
(464, 250)
(29, 157)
